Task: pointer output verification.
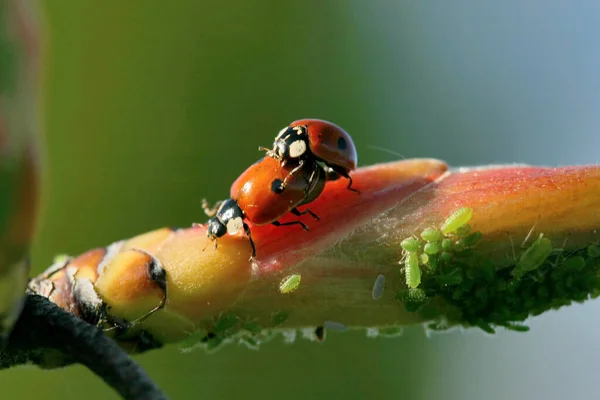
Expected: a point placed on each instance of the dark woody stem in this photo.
(48, 336)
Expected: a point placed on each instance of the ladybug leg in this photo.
(311, 181)
(302, 224)
(330, 174)
(249, 234)
(211, 211)
(214, 240)
(298, 213)
(292, 172)
(347, 176)
(349, 187)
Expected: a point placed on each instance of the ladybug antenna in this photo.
(269, 152)
(211, 211)
(211, 240)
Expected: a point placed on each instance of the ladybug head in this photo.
(215, 228)
(231, 216)
(292, 142)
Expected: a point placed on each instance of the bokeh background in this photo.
(150, 106)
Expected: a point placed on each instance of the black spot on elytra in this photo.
(341, 143)
(276, 186)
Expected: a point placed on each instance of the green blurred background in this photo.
(150, 106)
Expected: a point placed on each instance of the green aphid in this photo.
(415, 299)
(482, 294)
(438, 326)
(457, 294)
(412, 295)
(253, 327)
(451, 279)
(513, 285)
(488, 270)
(61, 258)
(472, 273)
(557, 274)
(469, 241)
(447, 244)
(250, 342)
(424, 258)
(213, 343)
(556, 251)
(570, 281)
(411, 244)
(225, 322)
(593, 251)
(517, 327)
(289, 283)
(500, 285)
(576, 263)
(463, 230)
(533, 257)
(192, 340)
(484, 326)
(433, 263)
(543, 292)
(413, 306)
(431, 235)
(446, 257)
(412, 270)
(465, 284)
(391, 331)
(432, 248)
(279, 317)
(459, 218)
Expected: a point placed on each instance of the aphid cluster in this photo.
(305, 155)
(231, 328)
(444, 263)
(434, 247)
(228, 328)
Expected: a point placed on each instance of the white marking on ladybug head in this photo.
(281, 132)
(227, 214)
(297, 148)
(234, 225)
(299, 130)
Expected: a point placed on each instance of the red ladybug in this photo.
(306, 140)
(258, 196)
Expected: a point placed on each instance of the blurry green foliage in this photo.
(18, 184)
(7, 59)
